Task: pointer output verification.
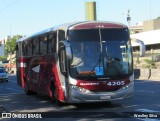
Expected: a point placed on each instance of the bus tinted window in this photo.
(43, 45)
(54, 42)
(35, 46)
(29, 48)
(50, 40)
(25, 49)
(107, 34)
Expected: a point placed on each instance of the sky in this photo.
(25, 17)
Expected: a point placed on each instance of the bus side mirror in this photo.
(68, 50)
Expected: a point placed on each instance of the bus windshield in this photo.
(100, 53)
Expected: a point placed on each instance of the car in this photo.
(3, 75)
(1, 67)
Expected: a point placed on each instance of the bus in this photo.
(79, 62)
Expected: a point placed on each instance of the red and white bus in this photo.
(77, 62)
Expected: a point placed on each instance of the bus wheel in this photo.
(55, 95)
(27, 91)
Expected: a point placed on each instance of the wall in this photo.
(147, 74)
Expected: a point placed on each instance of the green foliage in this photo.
(150, 63)
(158, 17)
(11, 44)
(3, 58)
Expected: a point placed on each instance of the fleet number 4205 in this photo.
(116, 83)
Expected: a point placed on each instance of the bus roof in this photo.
(77, 25)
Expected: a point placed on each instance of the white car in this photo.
(3, 75)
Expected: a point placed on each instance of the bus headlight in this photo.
(127, 86)
(80, 89)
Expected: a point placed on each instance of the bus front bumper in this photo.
(80, 95)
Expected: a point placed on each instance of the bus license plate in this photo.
(105, 97)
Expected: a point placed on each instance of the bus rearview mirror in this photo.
(68, 50)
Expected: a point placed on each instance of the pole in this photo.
(128, 18)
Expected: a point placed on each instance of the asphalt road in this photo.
(145, 102)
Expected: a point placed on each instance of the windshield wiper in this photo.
(101, 55)
(100, 60)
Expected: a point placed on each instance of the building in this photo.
(4, 40)
(2, 44)
(2, 50)
(151, 40)
(137, 28)
(145, 26)
(147, 31)
(150, 25)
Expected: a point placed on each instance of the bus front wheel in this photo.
(55, 95)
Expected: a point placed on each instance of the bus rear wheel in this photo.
(26, 89)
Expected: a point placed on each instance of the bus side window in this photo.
(20, 49)
(49, 43)
(17, 50)
(35, 46)
(29, 47)
(25, 49)
(43, 45)
(54, 42)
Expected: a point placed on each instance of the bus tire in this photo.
(27, 91)
(54, 95)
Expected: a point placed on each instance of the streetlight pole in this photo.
(128, 18)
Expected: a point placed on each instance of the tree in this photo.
(158, 17)
(11, 44)
(2, 58)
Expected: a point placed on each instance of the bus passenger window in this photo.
(29, 47)
(25, 49)
(54, 42)
(50, 39)
(18, 50)
(36, 46)
(43, 45)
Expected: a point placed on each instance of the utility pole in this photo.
(128, 18)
